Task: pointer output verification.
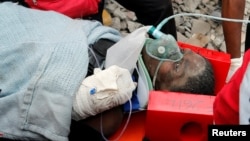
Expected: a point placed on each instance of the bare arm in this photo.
(232, 31)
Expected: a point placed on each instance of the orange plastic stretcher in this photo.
(174, 116)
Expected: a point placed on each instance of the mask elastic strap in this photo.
(156, 72)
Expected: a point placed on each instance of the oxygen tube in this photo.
(170, 49)
(162, 23)
(164, 48)
(155, 32)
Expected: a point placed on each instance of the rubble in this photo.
(198, 31)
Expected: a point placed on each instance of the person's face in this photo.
(174, 73)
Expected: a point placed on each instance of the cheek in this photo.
(179, 82)
(170, 82)
(165, 72)
(164, 78)
(169, 78)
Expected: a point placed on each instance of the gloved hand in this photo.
(235, 64)
(101, 91)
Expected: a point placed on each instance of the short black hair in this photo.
(203, 83)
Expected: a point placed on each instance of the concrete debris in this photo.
(199, 31)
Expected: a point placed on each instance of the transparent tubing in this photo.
(161, 24)
(129, 114)
(155, 32)
(123, 129)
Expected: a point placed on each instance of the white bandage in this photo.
(235, 64)
(101, 91)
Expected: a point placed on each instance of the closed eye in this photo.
(177, 65)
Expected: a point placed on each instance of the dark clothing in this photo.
(79, 131)
(20, 2)
(148, 12)
(97, 16)
(152, 12)
(97, 54)
(247, 41)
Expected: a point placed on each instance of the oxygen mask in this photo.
(163, 48)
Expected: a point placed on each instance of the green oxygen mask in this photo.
(163, 48)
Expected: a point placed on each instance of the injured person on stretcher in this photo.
(53, 83)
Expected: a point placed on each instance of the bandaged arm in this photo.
(101, 91)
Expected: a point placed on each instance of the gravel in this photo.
(195, 30)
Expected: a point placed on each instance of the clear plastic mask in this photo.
(164, 48)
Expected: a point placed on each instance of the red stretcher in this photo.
(172, 116)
